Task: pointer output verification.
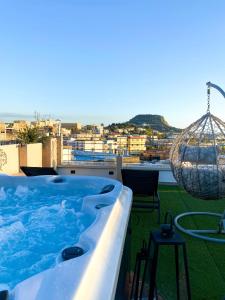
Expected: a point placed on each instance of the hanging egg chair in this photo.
(198, 163)
(198, 158)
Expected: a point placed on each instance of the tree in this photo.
(31, 135)
(149, 132)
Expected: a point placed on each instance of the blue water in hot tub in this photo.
(35, 226)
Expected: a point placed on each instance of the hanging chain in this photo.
(208, 100)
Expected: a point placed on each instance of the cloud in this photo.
(84, 119)
(5, 116)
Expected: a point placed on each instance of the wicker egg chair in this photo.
(198, 163)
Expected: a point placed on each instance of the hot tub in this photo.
(41, 216)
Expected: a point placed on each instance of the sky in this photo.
(103, 61)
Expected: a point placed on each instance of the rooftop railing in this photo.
(11, 142)
(74, 156)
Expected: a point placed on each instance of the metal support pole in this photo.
(153, 273)
(177, 271)
(186, 272)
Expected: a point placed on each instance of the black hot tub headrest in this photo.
(107, 188)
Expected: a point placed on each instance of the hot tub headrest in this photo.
(58, 179)
(4, 295)
(72, 252)
(107, 188)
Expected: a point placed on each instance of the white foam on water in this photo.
(24, 191)
(12, 232)
(35, 227)
(21, 191)
(63, 204)
(2, 194)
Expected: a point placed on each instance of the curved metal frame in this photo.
(197, 232)
(210, 84)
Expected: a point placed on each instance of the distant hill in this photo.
(156, 122)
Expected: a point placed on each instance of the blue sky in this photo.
(108, 60)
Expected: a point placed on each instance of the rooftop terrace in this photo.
(206, 260)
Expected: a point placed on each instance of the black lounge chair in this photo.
(143, 183)
(37, 171)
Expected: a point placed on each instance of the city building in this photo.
(87, 136)
(85, 145)
(99, 129)
(74, 127)
(2, 131)
(122, 144)
(78, 126)
(110, 146)
(49, 126)
(66, 132)
(136, 143)
(19, 125)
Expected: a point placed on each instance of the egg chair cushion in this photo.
(203, 155)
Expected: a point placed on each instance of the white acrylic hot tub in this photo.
(94, 274)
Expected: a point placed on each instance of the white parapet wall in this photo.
(13, 156)
(49, 158)
(34, 155)
(31, 155)
(9, 159)
(89, 169)
(113, 169)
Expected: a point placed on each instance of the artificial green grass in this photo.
(206, 259)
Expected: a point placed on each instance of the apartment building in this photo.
(122, 143)
(85, 145)
(87, 136)
(110, 146)
(136, 143)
